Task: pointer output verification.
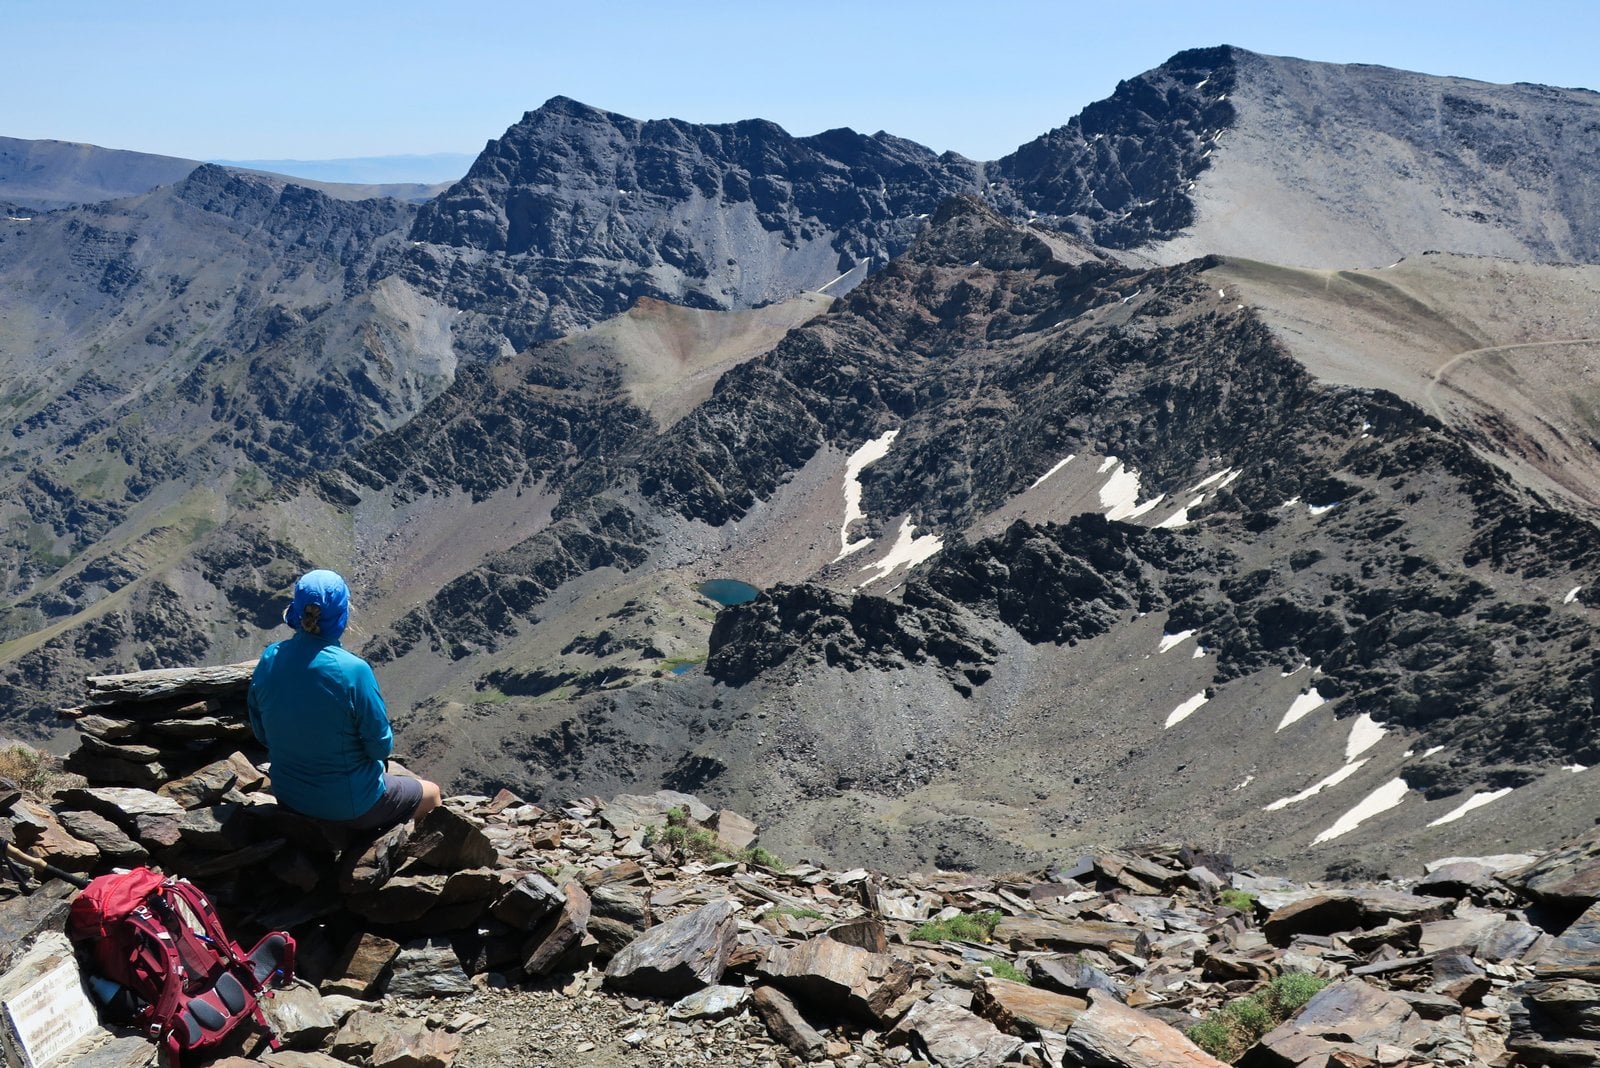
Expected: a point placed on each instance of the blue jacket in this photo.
(318, 711)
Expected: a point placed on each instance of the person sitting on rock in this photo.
(317, 709)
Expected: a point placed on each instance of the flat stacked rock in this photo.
(496, 904)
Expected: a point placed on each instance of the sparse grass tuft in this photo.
(1240, 900)
(1004, 969)
(1239, 1024)
(967, 927)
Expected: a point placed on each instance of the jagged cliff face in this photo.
(575, 212)
(1059, 544)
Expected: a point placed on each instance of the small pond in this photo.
(726, 591)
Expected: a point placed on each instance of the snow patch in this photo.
(1475, 801)
(1107, 464)
(1364, 734)
(1318, 509)
(1248, 779)
(1199, 652)
(1574, 767)
(859, 461)
(1435, 749)
(1302, 707)
(1316, 788)
(1572, 595)
(1185, 710)
(1382, 799)
(1120, 494)
(1172, 641)
(1059, 465)
(907, 549)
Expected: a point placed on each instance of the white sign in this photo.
(46, 1011)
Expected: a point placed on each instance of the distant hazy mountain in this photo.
(427, 169)
(46, 175)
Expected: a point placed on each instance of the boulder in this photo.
(203, 787)
(711, 1003)
(734, 832)
(1568, 877)
(106, 837)
(427, 969)
(557, 939)
(1069, 936)
(627, 813)
(680, 955)
(836, 977)
(365, 866)
(364, 962)
(1349, 1017)
(1114, 1035)
(299, 1016)
(1023, 1010)
(450, 841)
(1555, 1022)
(1575, 953)
(528, 900)
(950, 1035)
(784, 1022)
(1330, 913)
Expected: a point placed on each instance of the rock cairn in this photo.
(645, 931)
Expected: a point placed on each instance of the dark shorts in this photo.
(401, 796)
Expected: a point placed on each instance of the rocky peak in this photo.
(1120, 172)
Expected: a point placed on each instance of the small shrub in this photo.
(37, 774)
(1004, 969)
(764, 858)
(681, 834)
(967, 927)
(1240, 900)
(1239, 1024)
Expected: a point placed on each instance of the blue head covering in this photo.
(321, 605)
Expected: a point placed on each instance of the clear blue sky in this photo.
(340, 78)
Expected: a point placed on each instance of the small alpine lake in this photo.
(727, 591)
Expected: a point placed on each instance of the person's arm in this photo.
(372, 718)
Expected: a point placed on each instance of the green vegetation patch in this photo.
(1004, 969)
(684, 836)
(967, 927)
(1239, 1024)
(1239, 900)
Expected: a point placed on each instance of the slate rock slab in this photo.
(530, 899)
(1023, 1010)
(1575, 953)
(627, 813)
(838, 978)
(785, 1023)
(558, 939)
(449, 841)
(427, 969)
(712, 1003)
(1110, 1033)
(950, 1035)
(1348, 1017)
(298, 1015)
(680, 955)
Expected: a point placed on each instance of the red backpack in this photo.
(160, 939)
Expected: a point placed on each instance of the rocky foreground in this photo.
(651, 930)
